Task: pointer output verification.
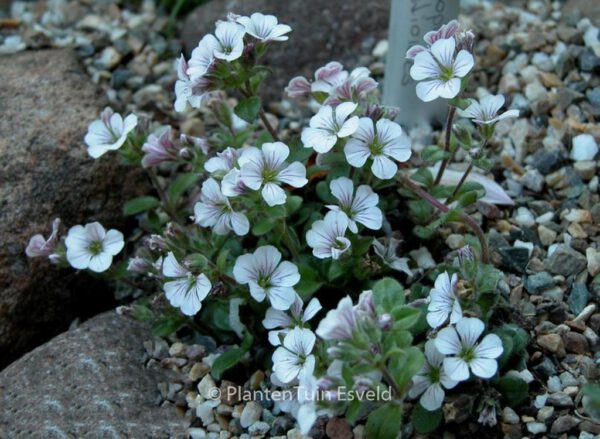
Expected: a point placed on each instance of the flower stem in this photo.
(246, 91)
(163, 196)
(267, 124)
(418, 190)
(449, 120)
(460, 183)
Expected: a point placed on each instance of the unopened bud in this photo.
(385, 322)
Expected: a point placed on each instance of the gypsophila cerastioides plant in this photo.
(290, 243)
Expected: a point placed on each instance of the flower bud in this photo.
(155, 243)
(465, 254)
(385, 322)
(138, 265)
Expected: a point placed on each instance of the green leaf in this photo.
(142, 313)
(384, 422)
(424, 420)
(468, 198)
(309, 283)
(182, 183)
(139, 205)
(166, 327)
(423, 176)
(405, 317)
(353, 411)
(336, 270)
(230, 358)
(387, 293)
(263, 226)
(292, 204)
(404, 367)
(222, 260)
(421, 209)
(248, 109)
(514, 390)
(433, 154)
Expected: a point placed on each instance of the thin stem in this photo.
(460, 183)
(449, 120)
(267, 124)
(418, 190)
(162, 195)
(246, 91)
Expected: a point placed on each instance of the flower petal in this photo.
(456, 368)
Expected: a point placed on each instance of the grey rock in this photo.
(562, 424)
(47, 101)
(546, 161)
(578, 298)
(566, 261)
(538, 282)
(536, 428)
(342, 30)
(560, 400)
(545, 368)
(533, 180)
(251, 413)
(88, 382)
(588, 61)
(515, 258)
(593, 96)
(509, 416)
(575, 342)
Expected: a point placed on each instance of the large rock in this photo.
(87, 382)
(323, 31)
(46, 103)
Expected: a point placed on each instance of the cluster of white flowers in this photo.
(335, 83)
(455, 350)
(194, 84)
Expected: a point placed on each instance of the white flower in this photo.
(329, 77)
(379, 142)
(187, 90)
(266, 168)
(429, 380)
(203, 57)
(229, 40)
(485, 112)
(284, 321)
(294, 356)
(232, 184)
(214, 210)
(268, 276)
(109, 132)
(440, 71)
(307, 413)
(361, 208)
(358, 84)
(327, 236)
(92, 246)
(444, 302)
(388, 254)
(265, 27)
(329, 125)
(186, 291)
(298, 86)
(223, 162)
(448, 30)
(39, 246)
(460, 343)
(339, 323)
(159, 148)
